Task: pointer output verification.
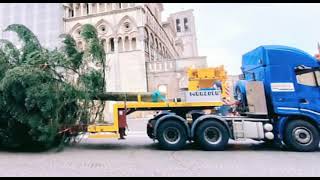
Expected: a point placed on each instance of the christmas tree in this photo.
(43, 91)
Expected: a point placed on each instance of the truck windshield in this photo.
(308, 76)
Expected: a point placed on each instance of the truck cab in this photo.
(291, 80)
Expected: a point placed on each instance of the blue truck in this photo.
(278, 102)
(290, 79)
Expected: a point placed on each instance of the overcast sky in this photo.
(226, 31)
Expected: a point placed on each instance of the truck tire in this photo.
(301, 136)
(212, 136)
(171, 135)
(150, 127)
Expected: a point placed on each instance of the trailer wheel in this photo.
(301, 136)
(171, 135)
(150, 126)
(212, 136)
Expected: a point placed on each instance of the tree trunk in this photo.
(124, 96)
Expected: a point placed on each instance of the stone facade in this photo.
(143, 53)
(185, 30)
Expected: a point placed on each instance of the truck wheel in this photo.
(212, 136)
(171, 135)
(301, 136)
(150, 126)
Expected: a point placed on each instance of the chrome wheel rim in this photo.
(212, 135)
(303, 135)
(172, 135)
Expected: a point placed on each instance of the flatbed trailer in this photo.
(184, 121)
(111, 130)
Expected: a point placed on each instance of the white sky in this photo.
(226, 31)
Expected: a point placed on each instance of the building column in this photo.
(81, 9)
(105, 7)
(114, 6)
(129, 41)
(74, 5)
(150, 50)
(115, 41)
(158, 56)
(90, 8)
(117, 66)
(98, 7)
(123, 44)
(66, 12)
(107, 46)
(140, 39)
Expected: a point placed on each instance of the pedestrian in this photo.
(122, 119)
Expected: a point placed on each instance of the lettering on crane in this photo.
(203, 96)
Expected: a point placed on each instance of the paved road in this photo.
(139, 156)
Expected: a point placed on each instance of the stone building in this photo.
(143, 52)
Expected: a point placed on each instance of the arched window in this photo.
(163, 53)
(160, 51)
(146, 41)
(131, 4)
(111, 45)
(152, 47)
(133, 43)
(71, 13)
(185, 22)
(157, 50)
(120, 44)
(126, 43)
(178, 25)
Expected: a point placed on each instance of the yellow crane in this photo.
(203, 78)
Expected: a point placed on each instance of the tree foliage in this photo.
(43, 91)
